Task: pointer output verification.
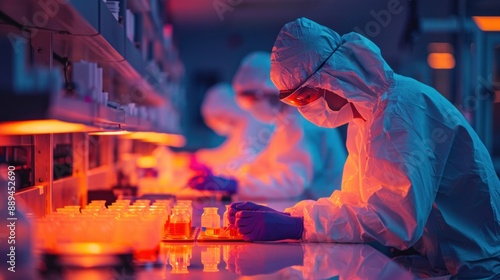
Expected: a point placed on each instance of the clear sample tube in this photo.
(210, 220)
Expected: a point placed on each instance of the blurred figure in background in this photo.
(243, 137)
(297, 156)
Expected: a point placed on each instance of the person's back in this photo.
(462, 226)
(417, 175)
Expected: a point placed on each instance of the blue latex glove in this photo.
(247, 205)
(268, 226)
(210, 182)
(198, 167)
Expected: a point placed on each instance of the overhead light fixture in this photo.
(146, 162)
(487, 23)
(173, 140)
(441, 56)
(441, 61)
(117, 132)
(41, 127)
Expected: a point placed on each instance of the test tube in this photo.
(76, 208)
(210, 220)
(188, 205)
(123, 201)
(146, 202)
(166, 212)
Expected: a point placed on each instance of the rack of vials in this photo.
(133, 227)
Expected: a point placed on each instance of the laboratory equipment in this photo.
(179, 223)
(210, 220)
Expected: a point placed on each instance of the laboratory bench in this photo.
(245, 260)
(196, 257)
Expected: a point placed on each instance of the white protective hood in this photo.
(417, 175)
(355, 70)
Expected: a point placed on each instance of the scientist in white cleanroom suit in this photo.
(417, 175)
(242, 144)
(277, 170)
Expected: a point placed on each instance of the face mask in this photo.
(221, 127)
(244, 103)
(320, 114)
(263, 111)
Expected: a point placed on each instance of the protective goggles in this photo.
(302, 96)
(304, 93)
(253, 94)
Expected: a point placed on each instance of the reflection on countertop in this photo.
(238, 260)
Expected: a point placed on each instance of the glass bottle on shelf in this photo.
(210, 220)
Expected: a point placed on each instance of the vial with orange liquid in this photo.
(179, 223)
(228, 229)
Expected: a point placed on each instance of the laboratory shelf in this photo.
(137, 124)
(106, 114)
(77, 17)
(22, 107)
(87, 30)
(139, 6)
(152, 22)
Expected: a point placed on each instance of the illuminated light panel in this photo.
(41, 127)
(441, 60)
(146, 162)
(487, 23)
(181, 160)
(158, 138)
(118, 132)
(92, 248)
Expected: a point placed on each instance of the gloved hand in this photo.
(198, 167)
(250, 206)
(268, 226)
(264, 258)
(210, 182)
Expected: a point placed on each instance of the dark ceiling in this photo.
(213, 35)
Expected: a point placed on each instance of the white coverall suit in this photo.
(417, 175)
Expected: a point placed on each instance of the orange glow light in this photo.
(146, 162)
(118, 132)
(158, 138)
(40, 127)
(181, 160)
(487, 23)
(441, 60)
(92, 248)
